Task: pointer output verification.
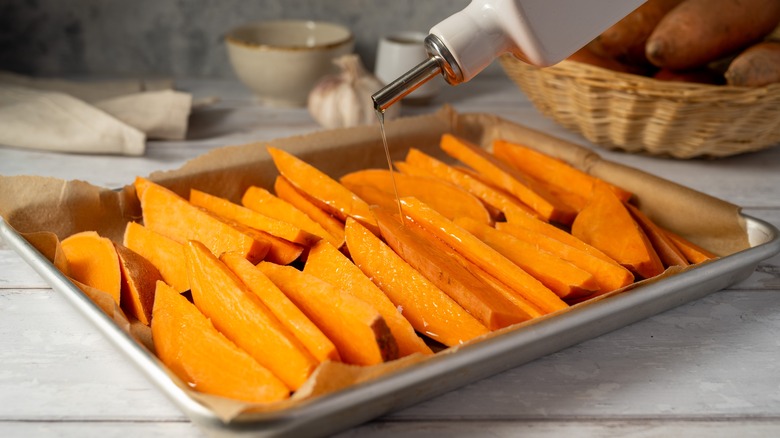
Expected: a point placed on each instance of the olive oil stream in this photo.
(380, 114)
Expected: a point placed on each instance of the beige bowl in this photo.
(280, 61)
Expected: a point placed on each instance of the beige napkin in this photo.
(110, 117)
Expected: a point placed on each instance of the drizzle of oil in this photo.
(380, 114)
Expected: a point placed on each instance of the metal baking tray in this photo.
(356, 404)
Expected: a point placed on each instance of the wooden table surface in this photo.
(710, 368)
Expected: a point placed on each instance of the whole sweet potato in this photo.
(757, 66)
(625, 40)
(699, 31)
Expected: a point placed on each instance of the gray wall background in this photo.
(181, 38)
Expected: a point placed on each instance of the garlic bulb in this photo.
(344, 99)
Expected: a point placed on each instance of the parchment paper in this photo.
(33, 204)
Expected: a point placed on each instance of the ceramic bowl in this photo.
(280, 61)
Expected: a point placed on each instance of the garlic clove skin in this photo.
(344, 100)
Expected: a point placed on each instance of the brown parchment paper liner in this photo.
(48, 209)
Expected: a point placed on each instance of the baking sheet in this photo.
(744, 241)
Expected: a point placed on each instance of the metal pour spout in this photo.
(439, 60)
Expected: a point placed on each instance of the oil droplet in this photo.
(380, 114)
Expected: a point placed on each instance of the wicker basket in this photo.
(639, 114)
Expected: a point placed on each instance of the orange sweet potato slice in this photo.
(355, 327)
(329, 264)
(487, 194)
(275, 227)
(668, 252)
(92, 260)
(285, 310)
(165, 254)
(444, 197)
(483, 302)
(551, 170)
(693, 253)
(564, 278)
(188, 344)
(139, 280)
(324, 191)
(606, 224)
(171, 215)
(483, 255)
(429, 310)
(266, 203)
(244, 319)
(507, 178)
(286, 241)
(608, 274)
(287, 192)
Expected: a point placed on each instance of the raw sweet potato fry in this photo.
(505, 177)
(285, 310)
(165, 254)
(355, 327)
(551, 170)
(483, 302)
(556, 233)
(323, 190)
(564, 278)
(606, 224)
(266, 203)
(429, 310)
(139, 280)
(693, 253)
(287, 242)
(171, 215)
(329, 264)
(608, 274)
(188, 344)
(490, 196)
(444, 197)
(668, 252)
(243, 215)
(483, 255)
(92, 260)
(244, 319)
(408, 169)
(287, 192)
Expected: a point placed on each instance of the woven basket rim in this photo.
(599, 77)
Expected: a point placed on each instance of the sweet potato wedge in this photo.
(244, 319)
(330, 265)
(667, 251)
(608, 274)
(287, 192)
(173, 216)
(188, 344)
(429, 310)
(92, 260)
(693, 253)
(283, 308)
(444, 197)
(490, 196)
(551, 170)
(266, 203)
(355, 327)
(483, 255)
(606, 224)
(560, 276)
(139, 280)
(165, 254)
(505, 177)
(482, 301)
(324, 191)
(287, 242)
